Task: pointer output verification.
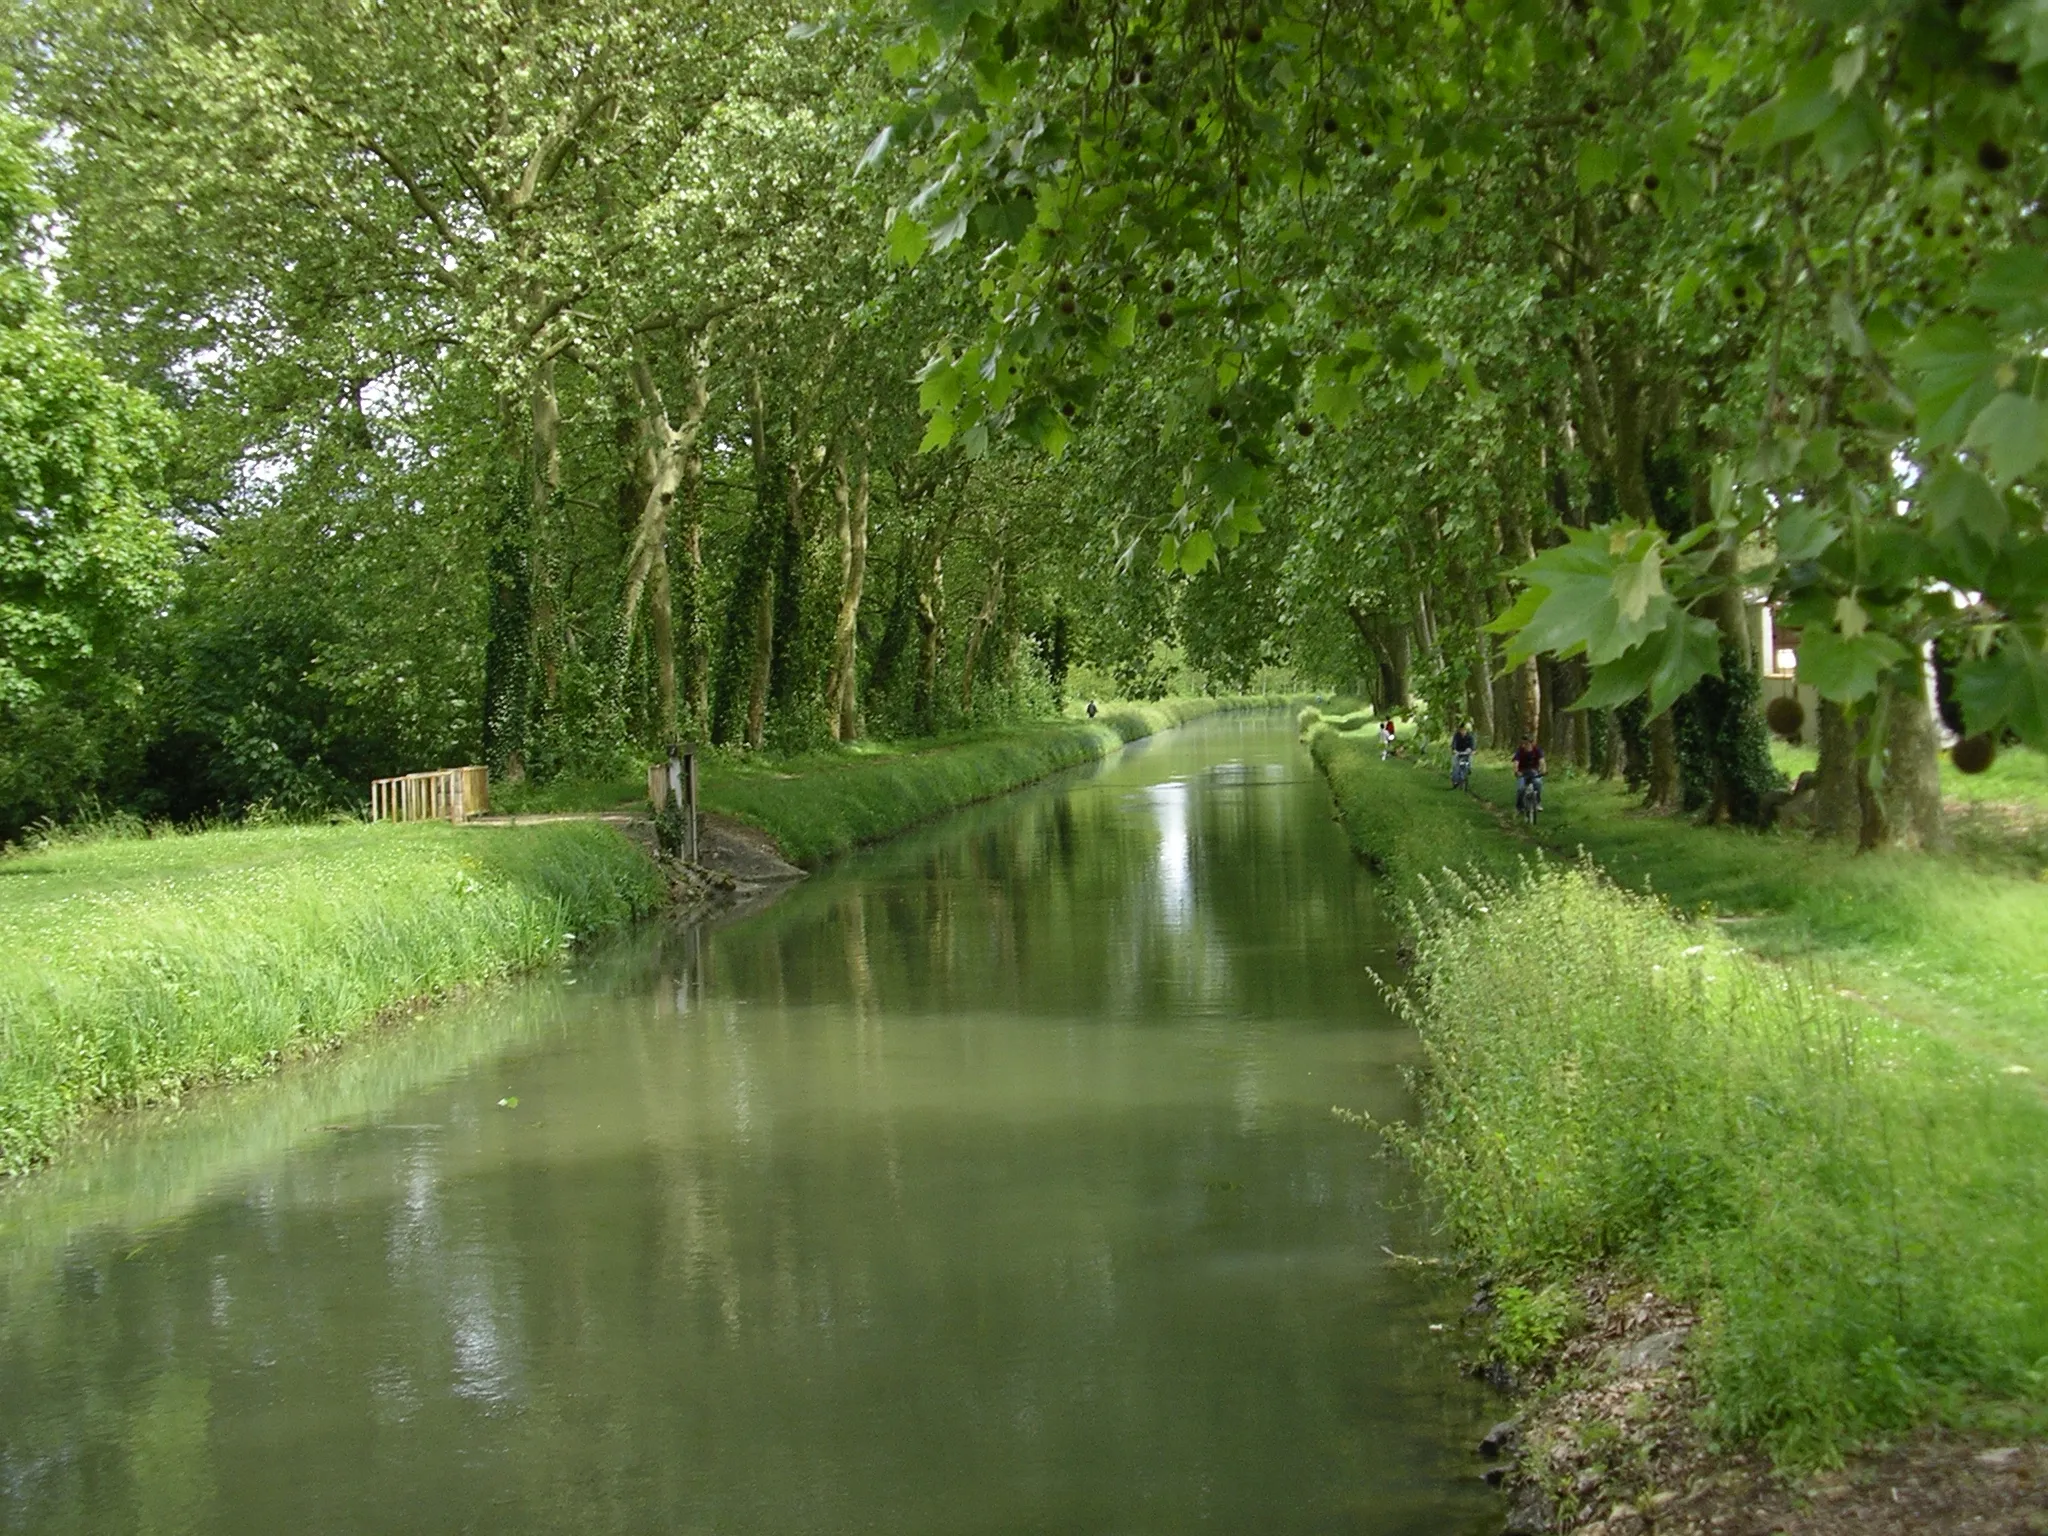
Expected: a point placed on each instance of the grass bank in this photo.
(132, 970)
(1857, 1206)
(819, 808)
(822, 804)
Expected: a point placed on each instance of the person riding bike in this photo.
(1528, 773)
(1463, 744)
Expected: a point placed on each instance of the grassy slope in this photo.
(1953, 942)
(1860, 1206)
(131, 970)
(821, 807)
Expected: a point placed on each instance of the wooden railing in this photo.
(446, 794)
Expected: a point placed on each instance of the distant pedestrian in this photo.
(1386, 739)
(1091, 709)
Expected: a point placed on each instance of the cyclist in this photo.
(1463, 744)
(1528, 774)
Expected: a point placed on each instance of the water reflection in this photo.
(987, 1183)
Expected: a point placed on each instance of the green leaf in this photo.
(1957, 364)
(1803, 532)
(1598, 165)
(2014, 286)
(950, 231)
(1721, 487)
(1600, 593)
(1847, 325)
(2012, 434)
(941, 389)
(1842, 667)
(1665, 665)
(1959, 498)
(907, 239)
(2007, 688)
(1196, 551)
(1418, 375)
(878, 146)
(1808, 100)
(1846, 71)
(1337, 400)
(1636, 584)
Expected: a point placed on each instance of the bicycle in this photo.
(1529, 798)
(1461, 769)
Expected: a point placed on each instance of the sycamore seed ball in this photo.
(1973, 754)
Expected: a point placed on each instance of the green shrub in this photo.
(1861, 1211)
(1528, 1325)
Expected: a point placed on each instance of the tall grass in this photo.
(834, 805)
(1861, 1209)
(131, 971)
(1955, 939)
(1403, 818)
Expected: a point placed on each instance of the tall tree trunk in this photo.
(764, 608)
(1837, 810)
(1873, 826)
(931, 612)
(508, 641)
(1665, 789)
(787, 672)
(664, 448)
(661, 630)
(1479, 689)
(842, 694)
(1912, 767)
(545, 469)
(1528, 696)
(977, 631)
(1614, 752)
(696, 639)
(764, 660)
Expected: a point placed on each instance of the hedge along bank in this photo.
(1858, 1209)
(134, 970)
(826, 811)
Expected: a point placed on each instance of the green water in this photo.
(987, 1183)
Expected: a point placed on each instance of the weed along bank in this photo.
(1718, 1196)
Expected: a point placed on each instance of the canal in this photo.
(989, 1182)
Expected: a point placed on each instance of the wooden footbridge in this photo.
(444, 794)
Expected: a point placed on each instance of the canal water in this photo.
(989, 1182)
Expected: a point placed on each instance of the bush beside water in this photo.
(1859, 1209)
(133, 970)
